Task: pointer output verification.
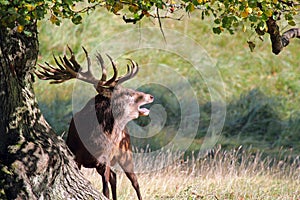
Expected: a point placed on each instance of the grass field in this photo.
(219, 174)
(262, 110)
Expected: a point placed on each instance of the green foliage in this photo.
(58, 113)
(254, 119)
(19, 14)
(227, 15)
(254, 115)
(230, 14)
(56, 106)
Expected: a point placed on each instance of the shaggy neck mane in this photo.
(104, 113)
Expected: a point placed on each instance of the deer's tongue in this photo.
(143, 112)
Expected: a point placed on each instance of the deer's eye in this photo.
(139, 98)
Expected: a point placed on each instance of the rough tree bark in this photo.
(280, 41)
(34, 162)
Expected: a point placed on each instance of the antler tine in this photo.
(72, 59)
(112, 82)
(130, 74)
(103, 66)
(135, 67)
(52, 73)
(67, 69)
(68, 66)
(57, 63)
(88, 60)
(88, 75)
(126, 76)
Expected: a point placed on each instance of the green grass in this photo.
(262, 102)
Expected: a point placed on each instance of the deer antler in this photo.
(103, 67)
(131, 72)
(67, 69)
(70, 68)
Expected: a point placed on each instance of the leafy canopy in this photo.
(227, 14)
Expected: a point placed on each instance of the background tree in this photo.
(261, 16)
(33, 161)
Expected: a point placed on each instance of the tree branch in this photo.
(88, 8)
(273, 30)
(160, 25)
(280, 41)
(289, 3)
(133, 20)
(286, 36)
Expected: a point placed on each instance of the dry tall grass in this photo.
(217, 174)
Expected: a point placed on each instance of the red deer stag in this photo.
(97, 134)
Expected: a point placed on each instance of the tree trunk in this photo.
(280, 41)
(34, 162)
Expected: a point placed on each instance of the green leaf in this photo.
(207, 13)
(288, 16)
(252, 3)
(159, 4)
(217, 21)
(4, 2)
(136, 16)
(217, 30)
(226, 22)
(262, 25)
(76, 19)
(195, 2)
(190, 7)
(202, 15)
(292, 23)
(253, 18)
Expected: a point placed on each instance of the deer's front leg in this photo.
(133, 179)
(104, 171)
(113, 184)
(126, 163)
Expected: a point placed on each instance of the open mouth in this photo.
(144, 111)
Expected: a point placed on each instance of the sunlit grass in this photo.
(217, 174)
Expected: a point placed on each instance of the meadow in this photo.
(256, 156)
(219, 174)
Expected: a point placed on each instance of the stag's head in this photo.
(126, 104)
